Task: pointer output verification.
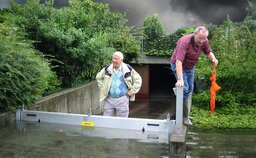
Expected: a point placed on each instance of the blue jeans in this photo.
(188, 77)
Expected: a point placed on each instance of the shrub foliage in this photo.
(24, 74)
(79, 38)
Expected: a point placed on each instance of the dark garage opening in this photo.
(161, 81)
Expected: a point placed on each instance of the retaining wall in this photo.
(79, 100)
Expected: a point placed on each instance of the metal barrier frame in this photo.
(175, 128)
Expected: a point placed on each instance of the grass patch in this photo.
(226, 117)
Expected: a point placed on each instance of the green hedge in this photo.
(24, 74)
(80, 38)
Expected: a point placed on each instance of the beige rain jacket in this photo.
(131, 78)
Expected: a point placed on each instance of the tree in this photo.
(154, 34)
(178, 34)
(79, 39)
(250, 19)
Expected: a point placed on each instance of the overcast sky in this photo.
(179, 13)
(174, 13)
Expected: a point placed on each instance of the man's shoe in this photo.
(187, 122)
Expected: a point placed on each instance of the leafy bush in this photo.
(24, 74)
(234, 46)
(250, 19)
(233, 110)
(79, 38)
(231, 116)
(202, 99)
(224, 98)
(155, 42)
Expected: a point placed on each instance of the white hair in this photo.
(202, 28)
(119, 54)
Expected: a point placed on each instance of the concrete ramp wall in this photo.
(79, 100)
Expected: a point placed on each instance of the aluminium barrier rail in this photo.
(165, 130)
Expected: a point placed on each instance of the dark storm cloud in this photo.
(57, 3)
(4, 3)
(214, 11)
(138, 10)
(180, 13)
(173, 13)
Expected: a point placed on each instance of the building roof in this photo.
(144, 59)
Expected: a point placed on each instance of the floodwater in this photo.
(228, 144)
(42, 140)
(45, 140)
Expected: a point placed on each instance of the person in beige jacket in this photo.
(118, 83)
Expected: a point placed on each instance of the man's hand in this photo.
(129, 94)
(212, 58)
(179, 83)
(215, 61)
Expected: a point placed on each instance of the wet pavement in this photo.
(155, 108)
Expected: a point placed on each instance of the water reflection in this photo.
(33, 141)
(156, 108)
(50, 140)
(229, 143)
